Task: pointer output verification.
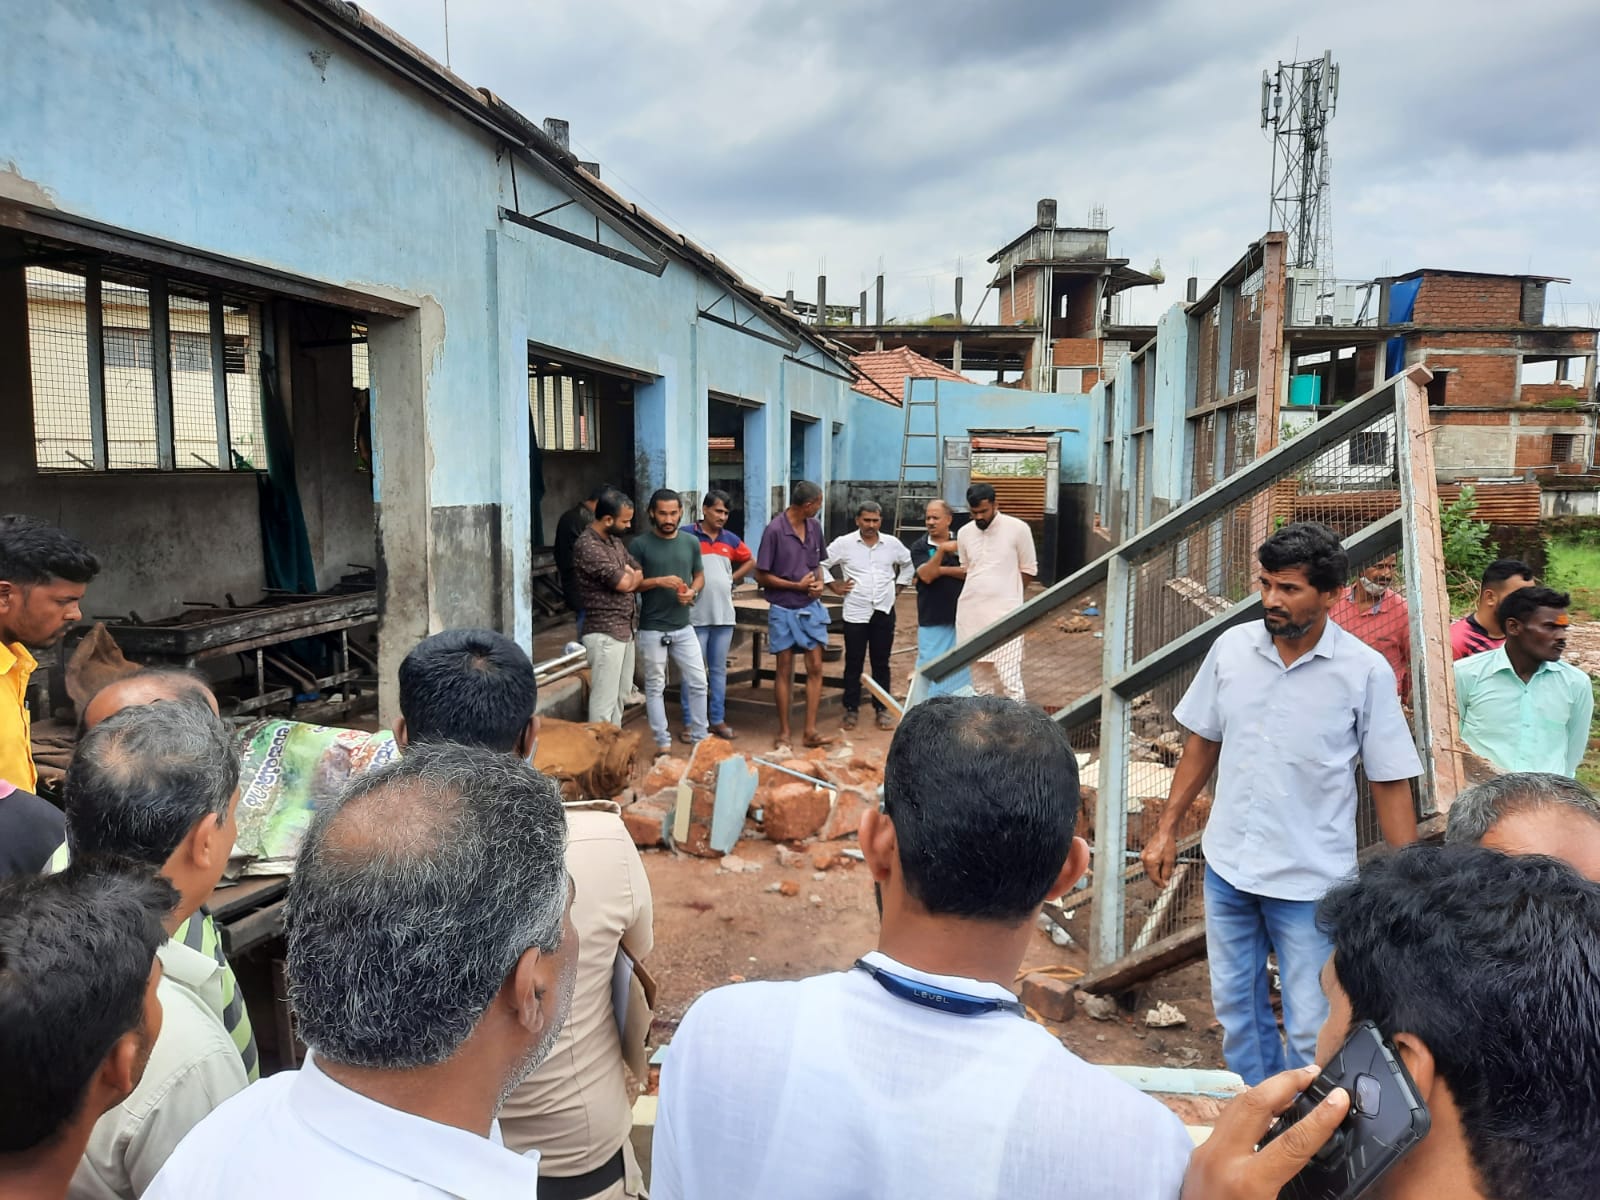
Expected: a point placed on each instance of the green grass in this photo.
(1573, 565)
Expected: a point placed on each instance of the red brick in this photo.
(793, 811)
(1051, 998)
(789, 888)
(646, 822)
(845, 818)
(664, 773)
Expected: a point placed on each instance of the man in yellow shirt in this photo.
(43, 575)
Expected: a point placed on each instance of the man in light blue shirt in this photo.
(1521, 707)
(1282, 712)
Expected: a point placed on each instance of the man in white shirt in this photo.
(158, 784)
(998, 554)
(917, 1075)
(875, 566)
(476, 687)
(1282, 711)
(431, 965)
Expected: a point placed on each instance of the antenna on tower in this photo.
(1297, 102)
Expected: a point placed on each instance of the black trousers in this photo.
(874, 637)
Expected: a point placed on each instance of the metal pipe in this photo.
(811, 779)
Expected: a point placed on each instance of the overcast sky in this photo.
(797, 138)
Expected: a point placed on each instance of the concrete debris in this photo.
(793, 811)
(1164, 1016)
(1048, 996)
(646, 822)
(853, 853)
(1183, 1056)
(774, 887)
(787, 857)
(1101, 1008)
(818, 875)
(735, 865)
(815, 899)
(1073, 625)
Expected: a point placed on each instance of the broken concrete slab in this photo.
(1048, 996)
(736, 787)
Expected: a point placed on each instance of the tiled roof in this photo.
(883, 373)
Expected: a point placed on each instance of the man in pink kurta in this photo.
(998, 553)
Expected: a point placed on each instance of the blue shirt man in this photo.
(1521, 707)
(1283, 711)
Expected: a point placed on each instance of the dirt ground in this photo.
(713, 927)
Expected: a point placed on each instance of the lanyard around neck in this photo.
(929, 995)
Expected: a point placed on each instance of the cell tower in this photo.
(1297, 104)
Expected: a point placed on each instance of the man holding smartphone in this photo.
(1479, 970)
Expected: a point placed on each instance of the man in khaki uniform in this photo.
(477, 687)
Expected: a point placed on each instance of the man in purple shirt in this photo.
(789, 570)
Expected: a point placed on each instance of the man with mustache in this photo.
(1521, 707)
(43, 575)
(1377, 614)
(1282, 712)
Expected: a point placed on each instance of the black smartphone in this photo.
(1386, 1119)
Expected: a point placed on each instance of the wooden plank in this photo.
(1432, 668)
(243, 934)
(1172, 951)
(251, 892)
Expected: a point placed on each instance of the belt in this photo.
(581, 1187)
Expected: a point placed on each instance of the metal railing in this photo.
(1110, 650)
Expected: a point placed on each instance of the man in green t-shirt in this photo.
(673, 578)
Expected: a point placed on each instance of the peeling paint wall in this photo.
(300, 154)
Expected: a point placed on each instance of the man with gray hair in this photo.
(1531, 812)
(876, 566)
(157, 784)
(431, 966)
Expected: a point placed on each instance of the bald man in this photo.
(198, 932)
(144, 687)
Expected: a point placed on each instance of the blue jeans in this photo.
(1240, 930)
(932, 641)
(714, 641)
(656, 647)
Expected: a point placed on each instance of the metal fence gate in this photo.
(1166, 593)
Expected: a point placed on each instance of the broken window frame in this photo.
(120, 347)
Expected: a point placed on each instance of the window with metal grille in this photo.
(1563, 447)
(1369, 450)
(564, 409)
(138, 372)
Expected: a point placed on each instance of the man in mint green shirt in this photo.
(1521, 707)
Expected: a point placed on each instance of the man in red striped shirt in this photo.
(726, 560)
(1480, 630)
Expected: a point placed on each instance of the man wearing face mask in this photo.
(476, 687)
(1377, 614)
(1282, 711)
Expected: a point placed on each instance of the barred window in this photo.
(136, 372)
(564, 408)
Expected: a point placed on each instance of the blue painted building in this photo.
(454, 327)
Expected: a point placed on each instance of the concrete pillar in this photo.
(959, 282)
(955, 356)
(822, 300)
(863, 306)
(1270, 364)
(879, 321)
(16, 390)
(400, 350)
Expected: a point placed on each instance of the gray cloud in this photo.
(785, 134)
